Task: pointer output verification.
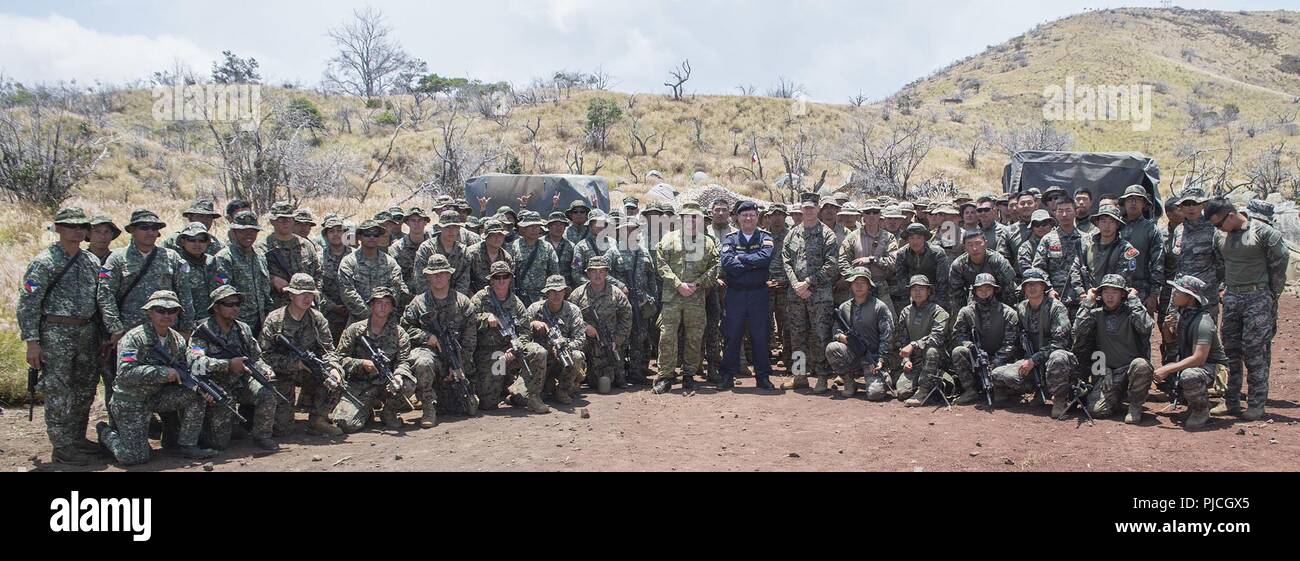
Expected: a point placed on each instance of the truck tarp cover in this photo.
(1101, 172)
(505, 190)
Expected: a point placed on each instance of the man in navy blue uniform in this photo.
(746, 254)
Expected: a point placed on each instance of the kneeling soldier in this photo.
(1199, 353)
(868, 336)
(147, 382)
(1045, 338)
(377, 359)
(558, 324)
(309, 332)
(608, 317)
(922, 340)
(499, 342)
(1120, 330)
(435, 323)
(986, 324)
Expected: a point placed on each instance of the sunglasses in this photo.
(1220, 222)
(85, 227)
(168, 311)
(983, 210)
(149, 227)
(373, 235)
(189, 239)
(234, 304)
(502, 277)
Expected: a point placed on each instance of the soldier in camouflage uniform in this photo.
(536, 259)
(62, 305)
(303, 223)
(366, 269)
(203, 273)
(996, 235)
(994, 325)
(1196, 249)
(286, 253)
(1173, 217)
(1144, 235)
(1040, 224)
(369, 390)
(922, 342)
(308, 330)
(578, 229)
(447, 244)
(596, 242)
(439, 312)
(631, 270)
(1199, 352)
(1046, 339)
(869, 246)
(481, 256)
(689, 265)
(1115, 339)
(243, 266)
(1105, 252)
(809, 262)
(566, 319)
(1059, 252)
(147, 383)
(226, 349)
(777, 284)
(1255, 259)
(555, 226)
(201, 211)
(164, 270)
(871, 320)
(600, 298)
(658, 222)
(332, 253)
(976, 261)
(405, 248)
(719, 228)
(498, 360)
(102, 233)
(918, 256)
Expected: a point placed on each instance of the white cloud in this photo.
(57, 48)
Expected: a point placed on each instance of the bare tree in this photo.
(457, 157)
(799, 149)
(1040, 136)
(640, 135)
(576, 160)
(382, 170)
(680, 75)
(886, 156)
(747, 90)
(697, 137)
(369, 60)
(785, 88)
(601, 80)
(858, 100)
(1268, 173)
(48, 150)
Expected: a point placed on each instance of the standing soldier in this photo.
(404, 250)
(689, 266)
(447, 244)
(869, 247)
(922, 342)
(241, 265)
(1058, 254)
(976, 261)
(943, 223)
(1196, 248)
(1105, 252)
(62, 305)
(376, 357)
(1083, 210)
(1040, 224)
(1120, 330)
(308, 331)
(918, 256)
(631, 270)
(367, 269)
(809, 262)
(1199, 353)
(436, 316)
(499, 342)
(102, 233)
(987, 324)
(870, 337)
(226, 349)
(566, 319)
(332, 254)
(578, 229)
(142, 268)
(595, 242)
(1174, 217)
(776, 282)
(608, 317)
(481, 256)
(995, 234)
(303, 223)
(202, 277)
(148, 382)
(286, 253)
(1145, 236)
(658, 221)
(555, 226)
(536, 258)
(746, 259)
(201, 211)
(1255, 261)
(1045, 340)
(719, 228)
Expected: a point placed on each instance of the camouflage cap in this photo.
(383, 216)
(397, 213)
(554, 283)
(945, 209)
(892, 211)
(1256, 208)
(449, 218)
(463, 206)
(417, 212)
(473, 222)
(984, 279)
(493, 226)
(282, 209)
(143, 216)
(652, 209)
(961, 205)
(597, 262)
(222, 292)
(1194, 195)
(529, 218)
(631, 202)
(1114, 281)
(558, 216)
(74, 216)
(1054, 191)
(1041, 215)
(855, 273)
(1135, 191)
(916, 229)
(837, 201)
(369, 225)
(922, 203)
(578, 205)
(304, 216)
(1108, 210)
(504, 219)
(1034, 274)
(102, 219)
(201, 207)
(629, 222)
(776, 208)
(986, 197)
(809, 198)
(598, 216)
(1036, 192)
(506, 210)
(850, 209)
(500, 268)
(194, 230)
(442, 201)
(919, 280)
(691, 208)
(331, 221)
(301, 283)
(245, 220)
(165, 299)
(383, 292)
(438, 264)
(1190, 286)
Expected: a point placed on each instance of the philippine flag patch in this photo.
(104, 272)
(30, 286)
(128, 356)
(221, 278)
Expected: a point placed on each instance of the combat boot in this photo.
(429, 417)
(688, 381)
(1253, 413)
(535, 405)
(764, 384)
(1060, 404)
(796, 382)
(1197, 415)
(727, 383)
(516, 400)
(563, 398)
(266, 444)
(1134, 415)
(1225, 409)
(389, 417)
(69, 455)
(918, 398)
(662, 386)
(968, 397)
(821, 386)
(317, 424)
(101, 428)
(196, 453)
(850, 387)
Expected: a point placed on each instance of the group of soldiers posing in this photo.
(983, 299)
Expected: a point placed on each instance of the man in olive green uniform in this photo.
(809, 262)
(308, 330)
(203, 212)
(1146, 236)
(1045, 340)
(193, 243)
(869, 246)
(332, 253)
(922, 344)
(227, 350)
(142, 268)
(689, 266)
(447, 244)
(987, 324)
(631, 270)
(389, 351)
(500, 356)
(481, 256)
(405, 248)
(1199, 353)
(243, 266)
(536, 258)
(568, 338)
(286, 253)
(1120, 330)
(436, 316)
(366, 269)
(606, 337)
(871, 338)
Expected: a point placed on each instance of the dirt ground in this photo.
(750, 429)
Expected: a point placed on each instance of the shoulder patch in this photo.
(30, 286)
(768, 242)
(1131, 253)
(128, 356)
(221, 278)
(185, 267)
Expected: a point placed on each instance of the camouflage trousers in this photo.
(690, 317)
(352, 415)
(780, 331)
(601, 364)
(319, 400)
(638, 349)
(963, 366)
(68, 381)
(1249, 324)
(562, 380)
(436, 387)
(809, 324)
(1057, 374)
(128, 439)
(217, 419)
(1167, 348)
(1131, 383)
(849, 364)
(713, 327)
(1194, 385)
(493, 375)
(652, 333)
(925, 369)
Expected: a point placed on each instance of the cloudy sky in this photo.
(835, 48)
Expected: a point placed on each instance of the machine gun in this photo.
(207, 335)
(198, 383)
(384, 366)
(983, 366)
(449, 341)
(1079, 391)
(315, 364)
